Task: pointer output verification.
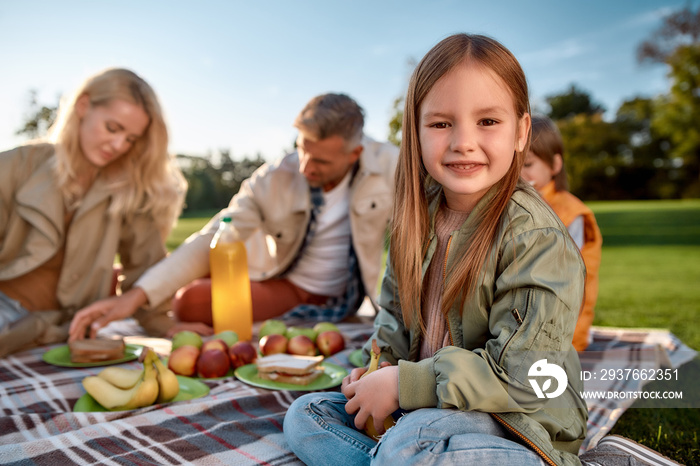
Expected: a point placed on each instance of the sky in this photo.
(234, 74)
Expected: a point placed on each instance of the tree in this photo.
(677, 45)
(594, 157)
(212, 185)
(678, 29)
(396, 122)
(649, 149)
(573, 102)
(39, 119)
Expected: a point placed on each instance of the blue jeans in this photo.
(319, 431)
(10, 311)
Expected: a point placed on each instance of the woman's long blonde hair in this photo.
(415, 189)
(146, 178)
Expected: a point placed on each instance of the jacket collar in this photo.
(38, 203)
(369, 160)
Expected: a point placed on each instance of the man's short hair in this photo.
(329, 115)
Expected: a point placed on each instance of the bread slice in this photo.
(287, 368)
(96, 350)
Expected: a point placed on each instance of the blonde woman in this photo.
(102, 185)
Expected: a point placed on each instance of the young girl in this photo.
(544, 169)
(104, 185)
(481, 293)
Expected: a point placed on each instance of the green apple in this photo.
(321, 327)
(186, 337)
(294, 331)
(228, 336)
(272, 327)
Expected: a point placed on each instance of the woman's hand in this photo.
(376, 395)
(100, 313)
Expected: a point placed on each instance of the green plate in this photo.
(189, 389)
(61, 357)
(355, 358)
(332, 377)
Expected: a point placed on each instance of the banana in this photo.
(144, 393)
(120, 377)
(168, 384)
(373, 366)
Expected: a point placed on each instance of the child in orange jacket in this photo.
(544, 169)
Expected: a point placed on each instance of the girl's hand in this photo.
(376, 395)
(355, 375)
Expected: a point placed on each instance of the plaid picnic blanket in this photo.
(619, 363)
(234, 424)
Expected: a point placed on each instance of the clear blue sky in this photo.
(234, 74)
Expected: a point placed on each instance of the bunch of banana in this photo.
(118, 389)
(373, 366)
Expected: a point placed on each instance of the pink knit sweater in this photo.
(436, 336)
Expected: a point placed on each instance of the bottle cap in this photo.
(226, 219)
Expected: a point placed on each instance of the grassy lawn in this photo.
(649, 277)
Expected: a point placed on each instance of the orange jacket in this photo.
(568, 207)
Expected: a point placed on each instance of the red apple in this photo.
(183, 360)
(273, 344)
(213, 363)
(301, 345)
(330, 342)
(242, 353)
(214, 344)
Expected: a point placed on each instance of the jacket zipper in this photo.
(516, 314)
(524, 439)
(519, 320)
(444, 278)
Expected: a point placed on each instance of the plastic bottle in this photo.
(232, 307)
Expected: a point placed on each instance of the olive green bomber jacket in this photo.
(524, 310)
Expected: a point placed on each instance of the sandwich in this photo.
(96, 350)
(287, 368)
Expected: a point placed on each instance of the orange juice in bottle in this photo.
(232, 307)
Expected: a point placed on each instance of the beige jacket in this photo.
(32, 229)
(271, 212)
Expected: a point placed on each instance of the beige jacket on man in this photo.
(32, 229)
(271, 212)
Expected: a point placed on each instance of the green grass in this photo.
(184, 228)
(651, 286)
(649, 277)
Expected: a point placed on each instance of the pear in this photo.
(186, 337)
(272, 326)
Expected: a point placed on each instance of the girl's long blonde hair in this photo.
(146, 178)
(414, 188)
